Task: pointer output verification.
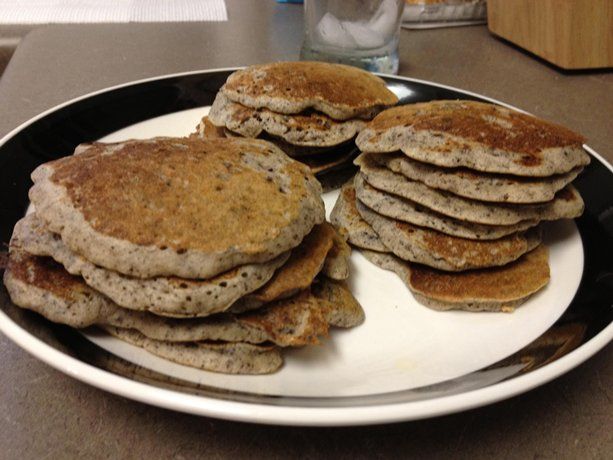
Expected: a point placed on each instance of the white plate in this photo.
(405, 362)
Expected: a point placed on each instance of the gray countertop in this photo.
(46, 414)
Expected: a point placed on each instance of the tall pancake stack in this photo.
(450, 195)
(210, 253)
(311, 110)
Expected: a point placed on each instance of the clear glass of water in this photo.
(362, 33)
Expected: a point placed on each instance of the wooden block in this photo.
(572, 34)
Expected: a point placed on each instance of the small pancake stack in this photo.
(311, 110)
(450, 195)
(210, 253)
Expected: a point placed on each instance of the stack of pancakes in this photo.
(311, 110)
(210, 253)
(450, 195)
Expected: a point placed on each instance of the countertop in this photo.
(46, 414)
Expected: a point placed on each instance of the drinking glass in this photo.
(362, 33)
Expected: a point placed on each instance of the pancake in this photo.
(475, 135)
(493, 289)
(227, 358)
(320, 160)
(302, 153)
(178, 297)
(342, 309)
(310, 129)
(207, 130)
(297, 274)
(336, 265)
(479, 185)
(399, 208)
(42, 285)
(345, 215)
(567, 203)
(445, 252)
(325, 163)
(339, 91)
(162, 217)
(296, 321)
(163, 295)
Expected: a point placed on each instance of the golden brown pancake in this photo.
(336, 265)
(206, 129)
(567, 203)
(492, 289)
(165, 295)
(281, 319)
(319, 159)
(476, 135)
(186, 207)
(397, 207)
(339, 91)
(504, 287)
(307, 129)
(345, 215)
(297, 274)
(42, 285)
(342, 309)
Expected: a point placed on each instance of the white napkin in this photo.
(87, 11)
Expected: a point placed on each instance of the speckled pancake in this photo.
(152, 207)
(479, 185)
(493, 289)
(343, 310)
(42, 285)
(336, 265)
(346, 216)
(227, 358)
(162, 295)
(445, 252)
(304, 318)
(297, 274)
(476, 135)
(339, 91)
(179, 297)
(310, 129)
(319, 159)
(399, 208)
(207, 130)
(567, 203)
